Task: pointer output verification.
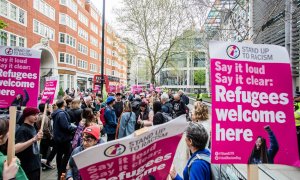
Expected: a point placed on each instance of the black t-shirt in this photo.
(30, 157)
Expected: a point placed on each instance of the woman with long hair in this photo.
(20, 100)
(88, 119)
(14, 170)
(261, 153)
(127, 121)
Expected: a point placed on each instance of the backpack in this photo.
(102, 117)
(215, 173)
(167, 117)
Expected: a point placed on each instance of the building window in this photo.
(83, 49)
(66, 20)
(94, 41)
(94, 28)
(13, 40)
(82, 33)
(67, 39)
(3, 38)
(93, 54)
(61, 81)
(44, 8)
(43, 30)
(12, 12)
(69, 4)
(67, 58)
(9, 39)
(94, 14)
(21, 42)
(93, 67)
(82, 18)
(82, 64)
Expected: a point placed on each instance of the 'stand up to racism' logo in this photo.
(115, 150)
(233, 51)
(9, 51)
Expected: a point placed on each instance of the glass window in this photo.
(36, 26)
(3, 38)
(61, 38)
(21, 42)
(13, 40)
(61, 81)
(21, 16)
(3, 7)
(13, 12)
(62, 57)
(67, 58)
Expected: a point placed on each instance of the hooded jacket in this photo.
(62, 128)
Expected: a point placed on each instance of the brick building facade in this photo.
(69, 34)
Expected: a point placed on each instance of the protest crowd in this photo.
(80, 120)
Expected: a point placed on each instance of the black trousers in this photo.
(62, 157)
(44, 148)
(34, 175)
(111, 137)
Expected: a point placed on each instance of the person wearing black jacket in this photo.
(183, 97)
(75, 112)
(63, 134)
(178, 106)
(118, 106)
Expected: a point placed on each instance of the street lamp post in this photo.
(102, 49)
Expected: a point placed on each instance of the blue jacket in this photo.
(199, 170)
(111, 120)
(62, 128)
(126, 125)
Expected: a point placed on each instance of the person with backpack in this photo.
(110, 119)
(198, 166)
(159, 116)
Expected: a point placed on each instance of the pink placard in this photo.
(149, 155)
(49, 92)
(19, 76)
(252, 90)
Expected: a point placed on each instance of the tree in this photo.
(153, 26)
(199, 77)
(2, 24)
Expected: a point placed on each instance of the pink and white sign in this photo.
(19, 76)
(252, 105)
(49, 92)
(149, 155)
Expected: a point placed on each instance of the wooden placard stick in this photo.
(11, 134)
(252, 172)
(44, 116)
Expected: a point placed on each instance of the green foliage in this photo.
(199, 77)
(2, 24)
(60, 93)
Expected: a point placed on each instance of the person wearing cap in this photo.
(118, 106)
(26, 147)
(90, 137)
(110, 118)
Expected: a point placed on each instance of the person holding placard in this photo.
(196, 168)
(13, 170)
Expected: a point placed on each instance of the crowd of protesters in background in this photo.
(80, 120)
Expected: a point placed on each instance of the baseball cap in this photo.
(110, 99)
(93, 130)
